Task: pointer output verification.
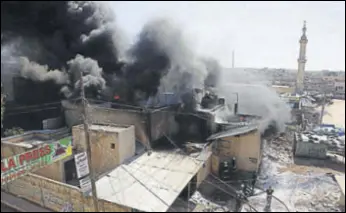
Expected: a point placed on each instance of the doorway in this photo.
(71, 173)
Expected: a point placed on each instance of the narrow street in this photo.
(19, 204)
(4, 208)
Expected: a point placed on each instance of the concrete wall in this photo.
(245, 148)
(162, 122)
(125, 117)
(53, 123)
(127, 144)
(104, 158)
(56, 196)
(204, 171)
(215, 162)
(54, 171)
(9, 149)
(312, 150)
(149, 125)
(112, 116)
(108, 149)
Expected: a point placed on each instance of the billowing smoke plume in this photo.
(255, 96)
(91, 72)
(38, 72)
(58, 40)
(161, 61)
(57, 35)
(53, 33)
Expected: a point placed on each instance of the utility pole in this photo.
(88, 144)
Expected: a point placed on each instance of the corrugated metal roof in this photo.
(233, 132)
(149, 183)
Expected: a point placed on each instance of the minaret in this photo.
(233, 59)
(301, 61)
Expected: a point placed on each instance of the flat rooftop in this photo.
(150, 183)
(33, 139)
(106, 127)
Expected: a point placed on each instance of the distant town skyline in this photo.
(262, 34)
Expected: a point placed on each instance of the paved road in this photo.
(6, 209)
(18, 203)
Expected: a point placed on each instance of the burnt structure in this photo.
(156, 119)
(33, 102)
(28, 92)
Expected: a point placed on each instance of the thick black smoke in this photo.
(57, 35)
(60, 30)
(214, 73)
(58, 40)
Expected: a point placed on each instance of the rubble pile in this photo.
(279, 149)
(318, 194)
(311, 190)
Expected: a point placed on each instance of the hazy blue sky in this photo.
(263, 34)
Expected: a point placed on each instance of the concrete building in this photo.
(127, 182)
(244, 144)
(306, 145)
(111, 145)
(339, 92)
(150, 124)
(19, 144)
(301, 61)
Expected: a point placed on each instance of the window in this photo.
(112, 145)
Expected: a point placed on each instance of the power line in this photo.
(153, 178)
(140, 182)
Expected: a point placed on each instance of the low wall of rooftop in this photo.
(56, 196)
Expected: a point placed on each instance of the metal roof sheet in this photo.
(233, 132)
(150, 183)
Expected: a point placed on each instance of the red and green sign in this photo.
(18, 165)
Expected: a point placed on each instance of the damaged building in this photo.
(236, 153)
(122, 166)
(153, 115)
